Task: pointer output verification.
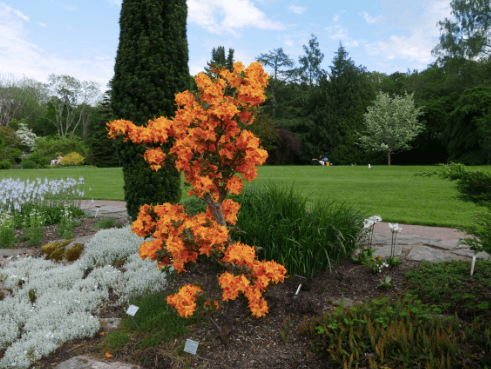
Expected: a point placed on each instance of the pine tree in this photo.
(151, 68)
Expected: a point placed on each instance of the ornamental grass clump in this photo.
(308, 243)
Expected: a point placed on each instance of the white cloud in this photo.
(42, 24)
(16, 12)
(289, 43)
(20, 15)
(337, 32)
(351, 43)
(70, 28)
(25, 59)
(420, 23)
(72, 8)
(237, 14)
(335, 18)
(297, 9)
(369, 19)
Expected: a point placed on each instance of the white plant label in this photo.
(132, 310)
(191, 346)
(473, 264)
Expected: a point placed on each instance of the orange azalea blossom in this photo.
(181, 132)
(184, 301)
(158, 130)
(240, 255)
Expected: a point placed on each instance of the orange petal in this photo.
(108, 355)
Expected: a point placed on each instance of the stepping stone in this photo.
(425, 253)
(447, 245)
(386, 238)
(470, 253)
(84, 362)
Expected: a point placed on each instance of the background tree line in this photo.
(308, 112)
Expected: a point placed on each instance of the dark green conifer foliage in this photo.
(151, 68)
(104, 148)
(218, 57)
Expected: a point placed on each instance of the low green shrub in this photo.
(40, 160)
(5, 164)
(50, 147)
(400, 334)
(11, 154)
(28, 164)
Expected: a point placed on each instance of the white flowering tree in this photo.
(391, 124)
(27, 136)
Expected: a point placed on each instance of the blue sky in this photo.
(80, 37)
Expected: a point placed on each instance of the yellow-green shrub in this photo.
(72, 159)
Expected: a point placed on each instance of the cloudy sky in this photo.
(80, 37)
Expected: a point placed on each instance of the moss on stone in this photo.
(74, 252)
(55, 250)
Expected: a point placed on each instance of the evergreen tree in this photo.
(329, 104)
(103, 149)
(151, 68)
(218, 59)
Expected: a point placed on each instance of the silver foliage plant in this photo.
(64, 301)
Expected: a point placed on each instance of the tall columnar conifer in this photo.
(151, 68)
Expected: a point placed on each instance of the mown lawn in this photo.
(394, 192)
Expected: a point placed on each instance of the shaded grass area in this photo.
(394, 192)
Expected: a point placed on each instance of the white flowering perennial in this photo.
(15, 193)
(64, 301)
(394, 228)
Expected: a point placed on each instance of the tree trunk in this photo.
(390, 151)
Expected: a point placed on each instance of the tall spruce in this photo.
(218, 59)
(336, 109)
(151, 68)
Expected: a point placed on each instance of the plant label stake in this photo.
(98, 207)
(191, 347)
(473, 263)
(298, 290)
(131, 312)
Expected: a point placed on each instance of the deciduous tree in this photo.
(472, 37)
(390, 124)
(67, 94)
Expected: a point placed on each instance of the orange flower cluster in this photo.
(207, 129)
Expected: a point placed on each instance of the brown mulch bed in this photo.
(256, 343)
